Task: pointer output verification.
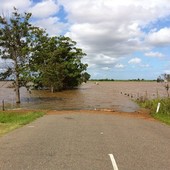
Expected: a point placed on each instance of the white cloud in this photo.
(167, 71)
(52, 25)
(8, 5)
(117, 10)
(135, 61)
(154, 54)
(4, 64)
(106, 68)
(161, 37)
(106, 30)
(100, 60)
(112, 28)
(44, 9)
(119, 66)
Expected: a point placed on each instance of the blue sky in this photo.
(122, 39)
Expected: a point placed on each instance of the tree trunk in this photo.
(17, 77)
(52, 89)
(17, 90)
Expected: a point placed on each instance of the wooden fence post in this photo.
(3, 105)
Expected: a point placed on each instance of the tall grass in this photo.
(12, 120)
(164, 111)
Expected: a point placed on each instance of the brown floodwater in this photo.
(116, 96)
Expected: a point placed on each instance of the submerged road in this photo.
(87, 142)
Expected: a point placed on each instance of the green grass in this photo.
(162, 117)
(10, 120)
(164, 111)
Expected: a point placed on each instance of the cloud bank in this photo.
(109, 32)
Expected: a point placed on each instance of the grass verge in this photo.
(10, 120)
(164, 111)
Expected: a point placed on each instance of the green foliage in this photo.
(85, 77)
(59, 64)
(164, 111)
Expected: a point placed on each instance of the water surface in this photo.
(90, 96)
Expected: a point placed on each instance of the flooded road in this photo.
(90, 96)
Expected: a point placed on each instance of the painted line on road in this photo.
(113, 162)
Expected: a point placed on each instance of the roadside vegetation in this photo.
(10, 120)
(164, 112)
(119, 80)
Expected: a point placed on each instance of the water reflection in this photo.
(90, 96)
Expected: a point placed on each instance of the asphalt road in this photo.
(84, 142)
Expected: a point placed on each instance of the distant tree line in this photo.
(164, 78)
(102, 79)
(36, 59)
(120, 80)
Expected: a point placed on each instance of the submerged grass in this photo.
(10, 120)
(164, 111)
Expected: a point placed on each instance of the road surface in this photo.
(78, 141)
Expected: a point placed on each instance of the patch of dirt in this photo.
(142, 113)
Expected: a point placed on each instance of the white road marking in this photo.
(113, 162)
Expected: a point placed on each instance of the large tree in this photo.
(16, 40)
(58, 63)
(70, 56)
(45, 63)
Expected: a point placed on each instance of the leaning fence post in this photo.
(3, 105)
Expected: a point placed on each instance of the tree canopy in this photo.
(58, 64)
(51, 62)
